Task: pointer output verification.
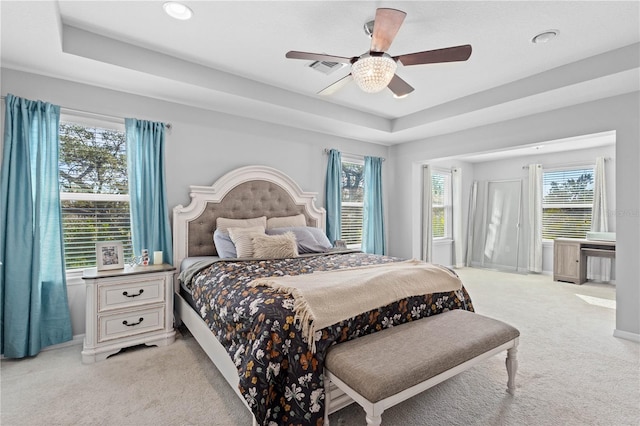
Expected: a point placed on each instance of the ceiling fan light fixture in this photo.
(373, 73)
(177, 10)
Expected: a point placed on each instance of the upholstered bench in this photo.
(385, 368)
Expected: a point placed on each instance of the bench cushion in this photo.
(385, 363)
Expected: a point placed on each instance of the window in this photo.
(566, 203)
(441, 204)
(94, 193)
(352, 202)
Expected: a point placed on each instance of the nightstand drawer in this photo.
(130, 323)
(136, 293)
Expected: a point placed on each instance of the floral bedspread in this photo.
(280, 378)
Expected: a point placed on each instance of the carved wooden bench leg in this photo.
(373, 420)
(512, 368)
(327, 400)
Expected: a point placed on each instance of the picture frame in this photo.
(109, 255)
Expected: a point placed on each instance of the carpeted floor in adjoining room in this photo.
(572, 371)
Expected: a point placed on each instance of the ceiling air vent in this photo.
(326, 67)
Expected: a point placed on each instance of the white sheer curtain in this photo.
(599, 268)
(427, 213)
(471, 223)
(535, 218)
(458, 246)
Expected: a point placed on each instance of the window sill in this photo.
(75, 273)
(442, 241)
(74, 277)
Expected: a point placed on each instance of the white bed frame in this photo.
(201, 196)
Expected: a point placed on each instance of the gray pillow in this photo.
(310, 239)
(224, 245)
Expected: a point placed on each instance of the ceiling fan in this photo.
(375, 69)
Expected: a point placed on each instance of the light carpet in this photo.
(572, 371)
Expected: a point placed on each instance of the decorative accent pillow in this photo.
(286, 221)
(241, 238)
(224, 245)
(309, 239)
(223, 223)
(275, 246)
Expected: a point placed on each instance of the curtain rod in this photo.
(95, 114)
(577, 163)
(326, 151)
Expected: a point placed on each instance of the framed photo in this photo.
(109, 255)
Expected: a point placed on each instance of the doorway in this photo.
(497, 240)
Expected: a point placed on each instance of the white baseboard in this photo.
(77, 340)
(626, 335)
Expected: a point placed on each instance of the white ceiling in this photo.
(546, 147)
(230, 57)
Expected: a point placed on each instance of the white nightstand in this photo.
(127, 307)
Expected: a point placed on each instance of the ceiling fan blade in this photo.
(334, 87)
(317, 57)
(399, 87)
(448, 54)
(385, 28)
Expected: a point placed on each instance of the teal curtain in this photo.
(373, 216)
(333, 197)
(33, 291)
(147, 188)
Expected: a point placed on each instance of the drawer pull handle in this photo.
(135, 323)
(124, 293)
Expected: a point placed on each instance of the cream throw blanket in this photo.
(326, 298)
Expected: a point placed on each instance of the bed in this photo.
(251, 332)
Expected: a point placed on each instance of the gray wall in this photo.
(201, 146)
(619, 113)
(512, 168)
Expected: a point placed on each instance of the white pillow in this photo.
(275, 246)
(286, 221)
(241, 238)
(223, 223)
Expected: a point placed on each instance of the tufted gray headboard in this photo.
(250, 199)
(247, 192)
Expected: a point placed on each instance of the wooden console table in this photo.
(570, 257)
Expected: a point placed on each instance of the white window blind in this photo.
(93, 191)
(352, 202)
(441, 204)
(567, 202)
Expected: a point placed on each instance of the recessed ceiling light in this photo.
(177, 10)
(545, 36)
